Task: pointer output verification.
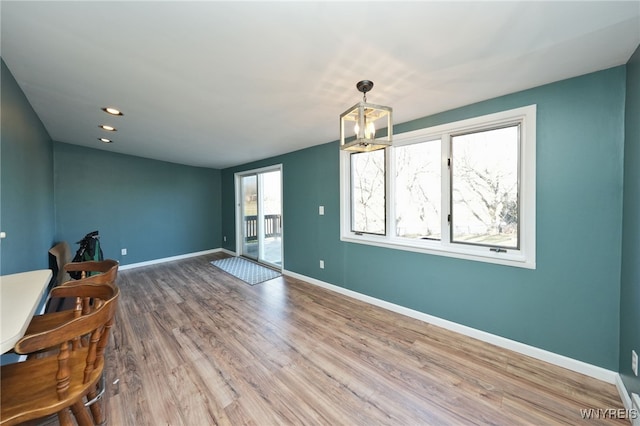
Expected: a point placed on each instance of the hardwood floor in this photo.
(195, 346)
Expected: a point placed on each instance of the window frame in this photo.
(523, 257)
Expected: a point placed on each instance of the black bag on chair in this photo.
(89, 250)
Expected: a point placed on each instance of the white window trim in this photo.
(525, 257)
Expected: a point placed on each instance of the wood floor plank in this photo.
(193, 398)
(192, 345)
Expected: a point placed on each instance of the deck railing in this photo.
(272, 226)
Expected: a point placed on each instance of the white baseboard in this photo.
(169, 259)
(634, 415)
(581, 367)
(624, 395)
(229, 252)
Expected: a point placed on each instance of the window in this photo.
(463, 189)
(367, 192)
(484, 187)
(418, 202)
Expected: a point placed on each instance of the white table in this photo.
(20, 295)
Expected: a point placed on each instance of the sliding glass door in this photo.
(260, 215)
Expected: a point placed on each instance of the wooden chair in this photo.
(61, 252)
(108, 270)
(59, 255)
(40, 387)
(81, 305)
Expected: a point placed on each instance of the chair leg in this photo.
(82, 416)
(96, 408)
(64, 417)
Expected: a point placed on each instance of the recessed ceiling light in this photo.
(108, 128)
(112, 111)
(105, 140)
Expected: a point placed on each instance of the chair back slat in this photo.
(82, 288)
(91, 266)
(63, 376)
(108, 271)
(92, 353)
(104, 338)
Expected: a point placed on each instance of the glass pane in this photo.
(250, 216)
(368, 192)
(417, 190)
(485, 187)
(271, 198)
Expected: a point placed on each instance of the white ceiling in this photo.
(217, 84)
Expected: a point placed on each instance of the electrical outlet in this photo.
(123, 252)
(224, 238)
(321, 210)
(634, 362)
(322, 264)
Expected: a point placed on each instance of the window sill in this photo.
(515, 259)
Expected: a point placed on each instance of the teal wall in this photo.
(630, 281)
(152, 208)
(26, 182)
(569, 305)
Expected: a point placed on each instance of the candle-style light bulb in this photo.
(370, 131)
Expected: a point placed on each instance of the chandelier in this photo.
(365, 117)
